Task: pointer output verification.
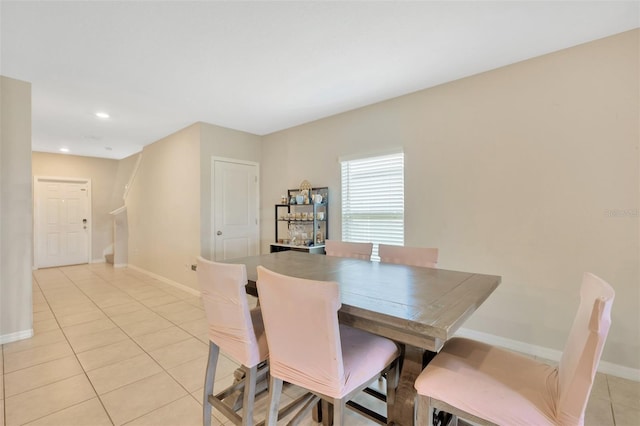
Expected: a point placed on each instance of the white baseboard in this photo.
(98, 260)
(166, 280)
(546, 353)
(18, 335)
(121, 265)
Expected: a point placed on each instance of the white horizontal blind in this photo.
(373, 200)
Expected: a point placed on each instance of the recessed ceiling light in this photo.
(102, 115)
(64, 149)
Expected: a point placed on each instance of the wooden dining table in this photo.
(419, 308)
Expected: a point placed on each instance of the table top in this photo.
(422, 307)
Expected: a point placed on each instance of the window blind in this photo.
(373, 200)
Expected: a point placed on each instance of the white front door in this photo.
(235, 209)
(62, 221)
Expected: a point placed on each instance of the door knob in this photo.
(219, 233)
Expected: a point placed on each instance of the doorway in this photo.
(235, 204)
(62, 221)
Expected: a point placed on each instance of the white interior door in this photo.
(62, 228)
(235, 209)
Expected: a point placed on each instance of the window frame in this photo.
(373, 212)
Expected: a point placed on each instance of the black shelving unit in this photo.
(304, 225)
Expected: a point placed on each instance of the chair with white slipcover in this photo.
(234, 329)
(490, 385)
(346, 249)
(412, 256)
(310, 349)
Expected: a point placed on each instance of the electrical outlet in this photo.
(194, 267)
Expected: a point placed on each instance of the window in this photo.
(373, 200)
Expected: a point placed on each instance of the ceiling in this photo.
(260, 66)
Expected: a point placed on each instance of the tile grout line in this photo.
(75, 354)
(165, 370)
(56, 381)
(5, 372)
(613, 413)
(190, 394)
(132, 340)
(135, 342)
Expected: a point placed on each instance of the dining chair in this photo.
(412, 256)
(345, 249)
(237, 331)
(310, 349)
(489, 385)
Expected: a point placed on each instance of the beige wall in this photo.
(169, 204)
(510, 172)
(102, 173)
(163, 207)
(16, 235)
(222, 142)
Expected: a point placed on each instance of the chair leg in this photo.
(249, 395)
(327, 413)
(423, 415)
(275, 389)
(338, 412)
(317, 412)
(210, 375)
(454, 420)
(393, 377)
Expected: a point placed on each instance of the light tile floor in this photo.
(115, 347)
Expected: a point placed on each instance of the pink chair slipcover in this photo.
(238, 331)
(309, 348)
(490, 385)
(344, 249)
(413, 256)
(235, 330)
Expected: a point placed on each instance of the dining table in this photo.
(419, 308)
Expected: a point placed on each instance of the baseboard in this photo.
(120, 265)
(97, 260)
(18, 335)
(166, 280)
(546, 353)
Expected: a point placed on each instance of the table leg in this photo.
(402, 411)
(316, 412)
(327, 413)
